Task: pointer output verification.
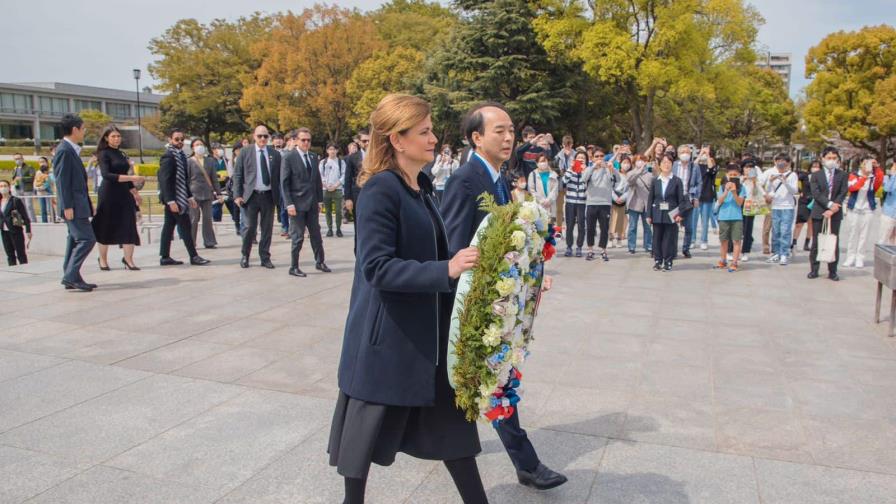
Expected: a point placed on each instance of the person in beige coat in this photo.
(544, 185)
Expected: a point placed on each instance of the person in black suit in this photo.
(829, 187)
(14, 225)
(666, 202)
(394, 393)
(353, 164)
(489, 128)
(74, 201)
(303, 194)
(256, 189)
(174, 193)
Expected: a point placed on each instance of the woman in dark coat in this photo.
(393, 378)
(14, 225)
(666, 195)
(115, 221)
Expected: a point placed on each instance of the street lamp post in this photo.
(139, 129)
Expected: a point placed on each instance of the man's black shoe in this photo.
(244, 262)
(296, 272)
(812, 275)
(667, 266)
(81, 286)
(198, 261)
(686, 254)
(835, 277)
(167, 261)
(541, 478)
(267, 264)
(338, 234)
(322, 267)
(211, 246)
(329, 233)
(657, 266)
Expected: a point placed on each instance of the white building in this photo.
(779, 62)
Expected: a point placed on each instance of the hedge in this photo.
(147, 169)
(10, 165)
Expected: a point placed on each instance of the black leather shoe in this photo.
(198, 261)
(81, 286)
(812, 275)
(267, 264)
(541, 478)
(657, 266)
(322, 267)
(329, 233)
(296, 272)
(667, 266)
(167, 261)
(244, 262)
(835, 277)
(686, 254)
(338, 234)
(211, 246)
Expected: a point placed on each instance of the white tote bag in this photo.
(827, 244)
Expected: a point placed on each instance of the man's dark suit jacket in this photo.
(460, 202)
(301, 184)
(818, 184)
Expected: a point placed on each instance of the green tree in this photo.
(202, 67)
(494, 54)
(761, 113)
(648, 50)
(385, 72)
(95, 121)
(851, 95)
(414, 24)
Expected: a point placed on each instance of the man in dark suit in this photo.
(74, 202)
(174, 193)
(353, 165)
(692, 182)
(829, 187)
(256, 189)
(489, 128)
(303, 194)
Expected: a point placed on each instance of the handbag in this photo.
(827, 244)
(17, 220)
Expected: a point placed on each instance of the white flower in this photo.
(512, 309)
(518, 239)
(523, 263)
(518, 357)
(528, 212)
(505, 286)
(492, 335)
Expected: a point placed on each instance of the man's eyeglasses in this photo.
(303, 140)
(262, 136)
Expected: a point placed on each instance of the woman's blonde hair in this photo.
(396, 113)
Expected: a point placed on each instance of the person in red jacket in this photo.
(861, 202)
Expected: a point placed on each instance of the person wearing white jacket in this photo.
(781, 190)
(444, 167)
(544, 185)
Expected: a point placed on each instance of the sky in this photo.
(89, 43)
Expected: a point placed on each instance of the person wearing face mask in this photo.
(544, 185)
(830, 186)
(445, 165)
(600, 180)
(665, 202)
(574, 210)
(639, 182)
(780, 193)
(888, 211)
(206, 189)
(861, 204)
(42, 188)
(23, 180)
(708, 171)
(692, 182)
(115, 222)
(754, 204)
(618, 217)
(14, 225)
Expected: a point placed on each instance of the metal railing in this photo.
(149, 205)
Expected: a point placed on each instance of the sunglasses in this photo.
(304, 139)
(262, 136)
(177, 139)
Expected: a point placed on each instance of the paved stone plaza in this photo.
(216, 384)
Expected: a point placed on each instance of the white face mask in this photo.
(19, 162)
(543, 166)
(639, 164)
(200, 150)
(685, 158)
(831, 164)
(4, 190)
(626, 167)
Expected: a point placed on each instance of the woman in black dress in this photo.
(14, 225)
(115, 221)
(393, 378)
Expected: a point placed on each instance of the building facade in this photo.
(32, 110)
(780, 63)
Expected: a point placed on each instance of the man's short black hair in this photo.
(17, 154)
(276, 136)
(782, 156)
(174, 129)
(363, 131)
(829, 149)
(475, 120)
(70, 122)
(733, 167)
